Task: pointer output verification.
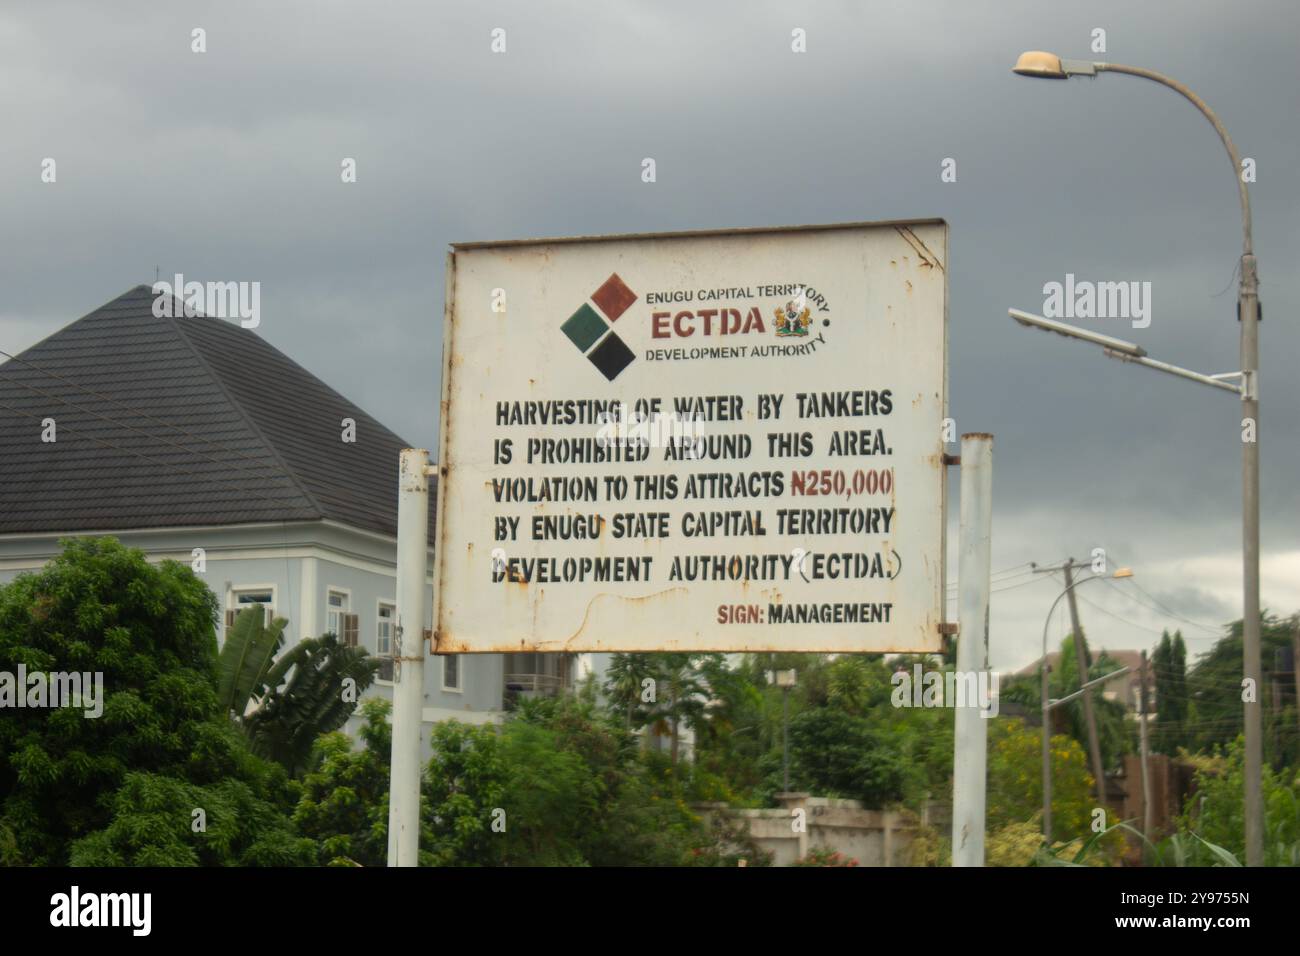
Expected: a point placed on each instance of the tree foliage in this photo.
(1215, 714)
(344, 804)
(1169, 665)
(1215, 810)
(1015, 780)
(313, 689)
(563, 783)
(245, 659)
(122, 786)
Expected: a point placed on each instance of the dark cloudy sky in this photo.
(225, 166)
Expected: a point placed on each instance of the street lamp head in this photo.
(1040, 64)
(1123, 573)
(1109, 343)
(1049, 66)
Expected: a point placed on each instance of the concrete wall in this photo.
(872, 837)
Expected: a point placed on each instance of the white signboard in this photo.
(725, 441)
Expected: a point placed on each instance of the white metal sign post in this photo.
(970, 735)
(409, 651)
(723, 441)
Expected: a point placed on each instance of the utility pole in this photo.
(785, 680)
(1088, 715)
(1047, 749)
(1147, 809)
(1085, 685)
(785, 739)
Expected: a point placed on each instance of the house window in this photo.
(451, 672)
(241, 598)
(384, 640)
(337, 619)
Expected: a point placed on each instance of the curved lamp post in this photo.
(1047, 704)
(1036, 63)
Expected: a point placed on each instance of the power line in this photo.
(999, 577)
(1117, 617)
(1009, 587)
(1161, 609)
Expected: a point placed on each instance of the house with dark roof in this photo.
(192, 438)
(1124, 689)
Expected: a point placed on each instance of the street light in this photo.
(1049, 66)
(1127, 351)
(784, 680)
(1036, 63)
(1107, 342)
(1048, 704)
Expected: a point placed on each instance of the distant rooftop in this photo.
(1126, 658)
(170, 422)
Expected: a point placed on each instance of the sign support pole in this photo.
(969, 778)
(408, 676)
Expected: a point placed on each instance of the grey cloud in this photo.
(226, 165)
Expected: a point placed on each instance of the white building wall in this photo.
(300, 564)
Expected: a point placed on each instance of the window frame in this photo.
(346, 593)
(380, 604)
(232, 602)
(459, 688)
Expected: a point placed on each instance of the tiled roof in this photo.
(167, 422)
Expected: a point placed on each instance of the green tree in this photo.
(308, 691)
(246, 658)
(506, 796)
(314, 688)
(1114, 730)
(731, 741)
(836, 754)
(1169, 665)
(624, 682)
(160, 820)
(101, 608)
(344, 804)
(561, 782)
(678, 691)
(1215, 711)
(1214, 810)
(1015, 780)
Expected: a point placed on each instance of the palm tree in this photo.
(251, 645)
(315, 688)
(311, 690)
(623, 683)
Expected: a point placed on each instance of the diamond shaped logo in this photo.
(584, 328)
(614, 297)
(611, 356)
(589, 327)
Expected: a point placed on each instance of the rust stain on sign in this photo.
(928, 258)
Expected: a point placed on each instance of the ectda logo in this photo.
(589, 328)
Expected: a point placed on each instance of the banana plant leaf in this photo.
(250, 648)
